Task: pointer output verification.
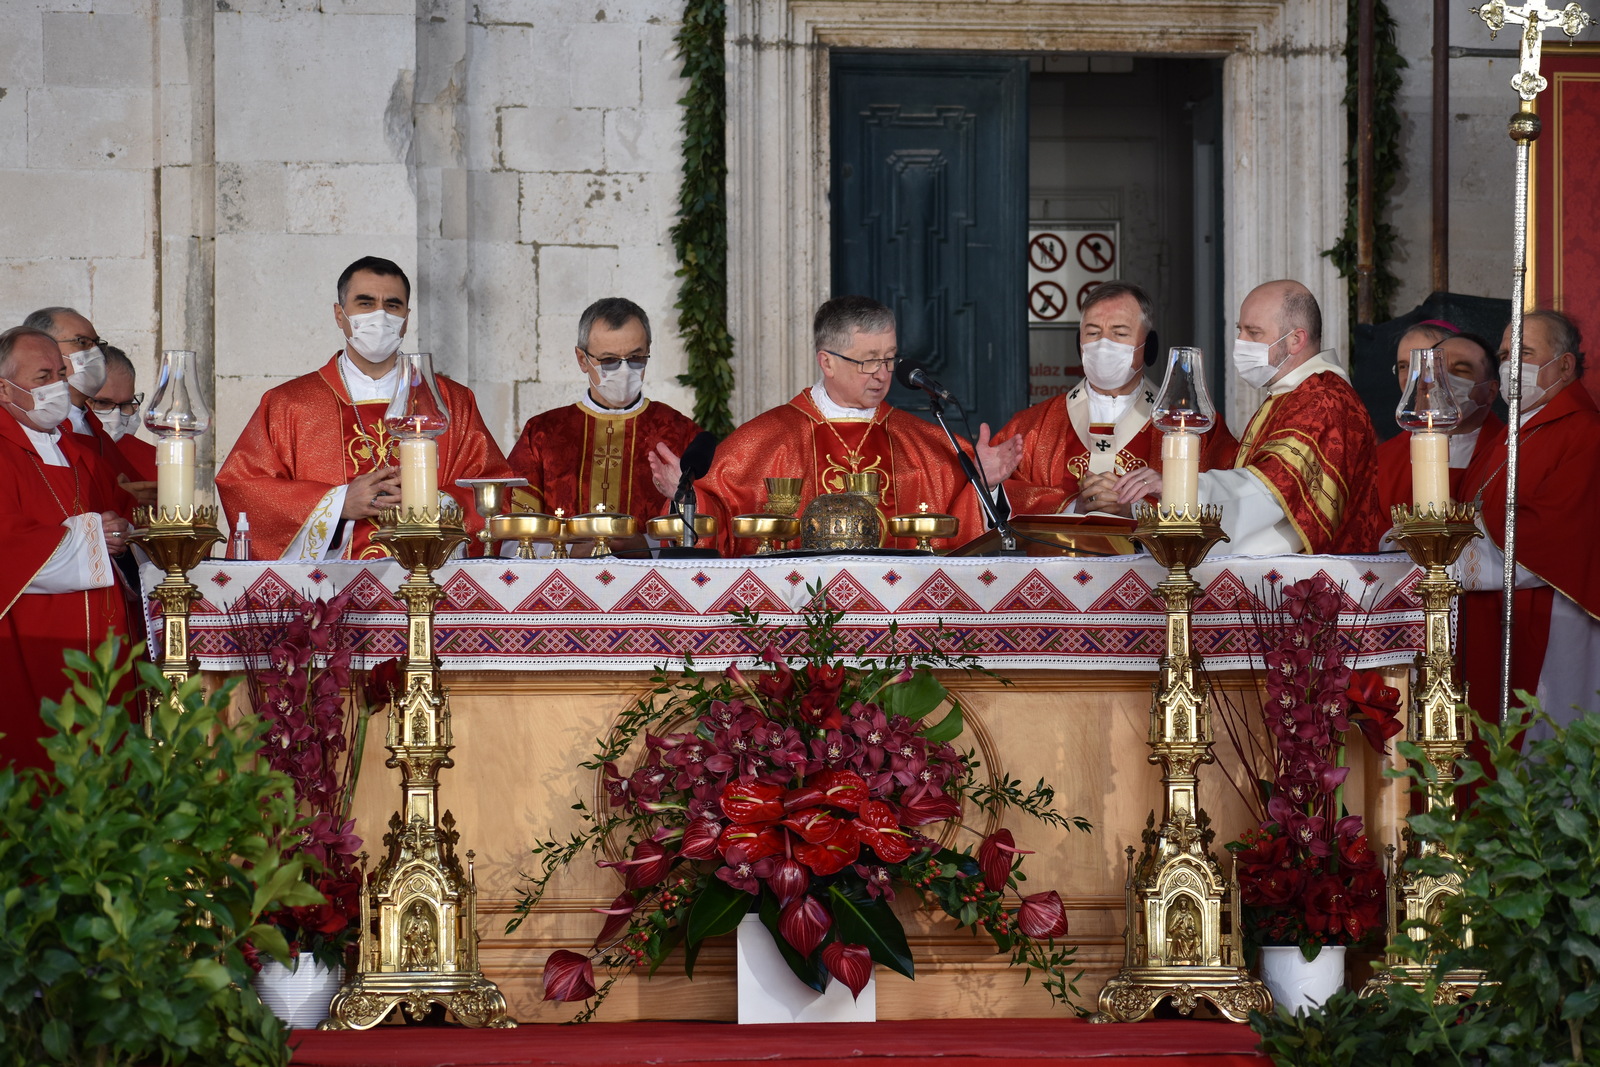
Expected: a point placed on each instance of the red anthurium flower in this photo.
(804, 923)
(700, 839)
(1042, 915)
(788, 880)
(617, 918)
(754, 842)
(1330, 908)
(851, 964)
(568, 976)
(384, 683)
(929, 807)
(1356, 853)
(1375, 707)
(805, 797)
(814, 826)
(750, 802)
(878, 827)
(994, 859)
(650, 864)
(840, 789)
(833, 855)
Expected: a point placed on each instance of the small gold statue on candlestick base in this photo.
(1434, 538)
(424, 949)
(176, 540)
(1182, 941)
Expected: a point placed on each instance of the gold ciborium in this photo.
(783, 495)
(765, 529)
(602, 526)
(924, 525)
(669, 528)
(526, 528)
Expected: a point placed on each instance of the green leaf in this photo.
(57, 1039)
(1581, 1003)
(948, 729)
(280, 882)
(211, 975)
(874, 924)
(915, 697)
(269, 939)
(717, 910)
(1524, 907)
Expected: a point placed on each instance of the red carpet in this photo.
(938, 1042)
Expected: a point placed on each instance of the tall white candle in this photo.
(1430, 470)
(1180, 471)
(419, 474)
(175, 473)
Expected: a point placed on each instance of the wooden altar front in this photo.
(540, 657)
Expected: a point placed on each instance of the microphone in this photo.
(915, 376)
(696, 460)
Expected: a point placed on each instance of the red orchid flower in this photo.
(568, 976)
(851, 964)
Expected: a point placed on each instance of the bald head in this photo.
(1285, 316)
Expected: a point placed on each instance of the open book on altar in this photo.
(1095, 534)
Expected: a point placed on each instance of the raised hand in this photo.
(665, 470)
(999, 461)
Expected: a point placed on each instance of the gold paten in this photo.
(767, 530)
(1434, 723)
(176, 540)
(1182, 941)
(924, 526)
(603, 526)
(844, 522)
(526, 528)
(425, 947)
(669, 528)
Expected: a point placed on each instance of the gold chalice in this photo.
(526, 528)
(924, 525)
(602, 526)
(669, 528)
(490, 497)
(766, 528)
(783, 495)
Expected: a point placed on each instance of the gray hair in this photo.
(1111, 290)
(8, 345)
(117, 359)
(843, 316)
(1563, 331)
(616, 312)
(44, 319)
(1301, 312)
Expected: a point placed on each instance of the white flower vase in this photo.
(299, 996)
(770, 993)
(1298, 984)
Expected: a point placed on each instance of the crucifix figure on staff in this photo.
(1552, 418)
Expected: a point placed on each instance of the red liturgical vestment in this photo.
(140, 454)
(1394, 464)
(1314, 448)
(1063, 444)
(307, 438)
(576, 456)
(913, 460)
(37, 628)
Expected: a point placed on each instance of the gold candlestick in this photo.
(425, 950)
(176, 540)
(1434, 723)
(1182, 940)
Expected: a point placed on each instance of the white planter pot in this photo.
(1299, 984)
(770, 993)
(298, 996)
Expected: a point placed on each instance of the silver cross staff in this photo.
(1534, 17)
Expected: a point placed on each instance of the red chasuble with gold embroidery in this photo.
(1315, 449)
(912, 457)
(307, 439)
(1061, 446)
(37, 628)
(575, 458)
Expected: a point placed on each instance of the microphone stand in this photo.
(1008, 536)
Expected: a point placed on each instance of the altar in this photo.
(539, 657)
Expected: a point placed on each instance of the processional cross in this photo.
(1534, 18)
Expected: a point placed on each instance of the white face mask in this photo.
(88, 370)
(50, 405)
(1252, 362)
(619, 386)
(1461, 390)
(375, 336)
(117, 425)
(1533, 394)
(1108, 364)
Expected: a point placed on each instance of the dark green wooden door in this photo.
(930, 202)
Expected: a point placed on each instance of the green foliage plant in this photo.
(131, 876)
(700, 236)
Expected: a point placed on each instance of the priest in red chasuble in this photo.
(316, 463)
(119, 408)
(1078, 447)
(1302, 478)
(614, 446)
(1474, 383)
(1556, 647)
(59, 528)
(842, 425)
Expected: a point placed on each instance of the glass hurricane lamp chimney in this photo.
(417, 409)
(1184, 405)
(1427, 405)
(178, 407)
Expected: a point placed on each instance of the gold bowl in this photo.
(924, 526)
(766, 528)
(526, 529)
(602, 527)
(669, 528)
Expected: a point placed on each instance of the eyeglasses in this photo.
(104, 407)
(610, 363)
(83, 344)
(867, 366)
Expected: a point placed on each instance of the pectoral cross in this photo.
(1102, 444)
(1533, 17)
